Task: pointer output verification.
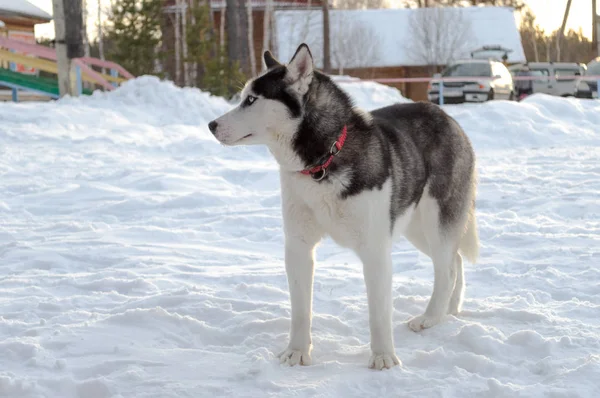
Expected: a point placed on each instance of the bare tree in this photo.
(251, 53)
(326, 38)
(355, 44)
(441, 35)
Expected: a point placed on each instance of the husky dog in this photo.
(363, 179)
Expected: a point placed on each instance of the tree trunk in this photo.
(535, 49)
(222, 28)
(326, 49)
(182, 8)
(177, 45)
(194, 71)
(237, 38)
(69, 42)
(100, 33)
(251, 53)
(86, 42)
(267, 27)
(64, 63)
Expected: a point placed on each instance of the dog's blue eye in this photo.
(250, 100)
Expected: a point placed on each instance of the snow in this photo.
(389, 35)
(23, 7)
(141, 258)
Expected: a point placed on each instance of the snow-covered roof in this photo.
(23, 8)
(387, 37)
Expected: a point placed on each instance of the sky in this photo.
(549, 15)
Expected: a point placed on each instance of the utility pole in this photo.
(561, 33)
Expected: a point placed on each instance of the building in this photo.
(393, 43)
(19, 18)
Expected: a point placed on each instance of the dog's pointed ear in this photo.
(301, 65)
(300, 69)
(270, 60)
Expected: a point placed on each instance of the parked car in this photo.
(485, 79)
(589, 88)
(556, 78)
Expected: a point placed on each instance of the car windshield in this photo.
(593, 69)
(469, 69)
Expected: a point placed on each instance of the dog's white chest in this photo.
(347, 220)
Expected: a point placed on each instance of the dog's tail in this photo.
(469, 243)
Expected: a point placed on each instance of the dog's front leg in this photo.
(301, 236)
(377, 268)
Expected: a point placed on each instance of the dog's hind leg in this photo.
(415, 235)
(377, 268)
(443, 246)
(459, 287)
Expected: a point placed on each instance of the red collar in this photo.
(320, 171)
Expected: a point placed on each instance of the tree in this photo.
(251, 54)
(237, 34)
(441, 35)
(354, 43)
(541, 46)
(214, 72)
(69, 42)
(326, 38)
(133, 30)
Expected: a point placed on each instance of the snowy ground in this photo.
(139, 258)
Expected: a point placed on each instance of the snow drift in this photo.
(141, 258)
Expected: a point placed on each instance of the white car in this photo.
(480, 80)
(555, 78)
(589, 88)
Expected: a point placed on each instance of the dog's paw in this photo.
(421, 322)
(293, 357)
(383, 361)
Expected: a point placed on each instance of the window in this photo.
(469, 69)
(543, 73)
(565, 75)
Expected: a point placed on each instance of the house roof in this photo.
(386, 37)
(23, 8)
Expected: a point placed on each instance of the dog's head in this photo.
(271, 106)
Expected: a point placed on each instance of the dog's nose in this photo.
(212, 126)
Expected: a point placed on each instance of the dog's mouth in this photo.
(244, 137)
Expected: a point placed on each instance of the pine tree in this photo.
(133, 31)
(215, 73)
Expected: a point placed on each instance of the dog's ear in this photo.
(270, 60)
(301, 68)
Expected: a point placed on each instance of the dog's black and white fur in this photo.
(406, 169)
